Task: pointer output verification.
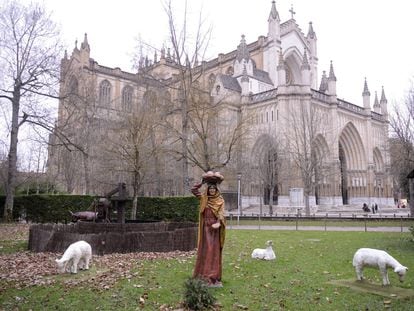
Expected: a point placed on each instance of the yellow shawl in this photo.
(216, 204)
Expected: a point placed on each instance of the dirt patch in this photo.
(377, 289)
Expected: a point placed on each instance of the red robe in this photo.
(210, 241)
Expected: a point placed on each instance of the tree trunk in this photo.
(156, 165)
(12, 158)
(307, 205)
(134, 207)
(86, 172)
(271, 200)
(136, 186)
(184, 146)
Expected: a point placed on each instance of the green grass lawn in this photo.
(305, 276)
(371, 223)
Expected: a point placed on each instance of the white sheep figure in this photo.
(78, 254)
(266, 254)
(379, 259)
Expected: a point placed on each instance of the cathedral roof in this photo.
(286, 28)
(262, 75)
(230, 83)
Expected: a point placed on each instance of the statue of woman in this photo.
(211, 234)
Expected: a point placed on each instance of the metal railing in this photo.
(360, 222)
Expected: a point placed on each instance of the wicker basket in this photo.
(212, 177)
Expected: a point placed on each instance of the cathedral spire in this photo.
(311, 33)
(331, 81)
(366, 97)
(305, 62)
(366, 91)
(383, 98)
(305, 69)
(377, 107)
(313, 50)
(273, 24)
(383, 103)
(244, 82)
(324, 83)
(274, 15)
(332, 76)
(242, 50)
(85, 44)
(281, 70)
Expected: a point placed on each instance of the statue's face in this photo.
(212, 191)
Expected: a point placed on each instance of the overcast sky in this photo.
(368, 38)
(363, 38)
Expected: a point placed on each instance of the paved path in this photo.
(318, 228)
(344, 211)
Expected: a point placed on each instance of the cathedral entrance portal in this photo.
(267, 162)
(344, 178)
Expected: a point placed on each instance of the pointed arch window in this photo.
(105, 93)
(73, 89)
(289, 76)
(150, 100)
(127, 93)
(211, 80)
(230, 71)
(73, 86)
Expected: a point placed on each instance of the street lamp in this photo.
(238, 194)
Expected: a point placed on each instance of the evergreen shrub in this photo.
(56, 208)
(197, 295)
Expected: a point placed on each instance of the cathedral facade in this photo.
(301, 144)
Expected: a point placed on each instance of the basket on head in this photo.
(212, 177)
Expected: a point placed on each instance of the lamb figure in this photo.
(78, 254)
(379, 259)
(264, 253)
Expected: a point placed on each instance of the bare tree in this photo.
(132, 148)
(402, 144)
(402, 124)
(267, 163)
(79, 104)
(193, 119)
(179, 39)
(29, 59)
(214, 133)
(401, 166)
(271, 171)
(305, 123)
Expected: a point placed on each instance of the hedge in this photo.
(56, 208)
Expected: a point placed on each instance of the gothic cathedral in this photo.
(299, 144)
